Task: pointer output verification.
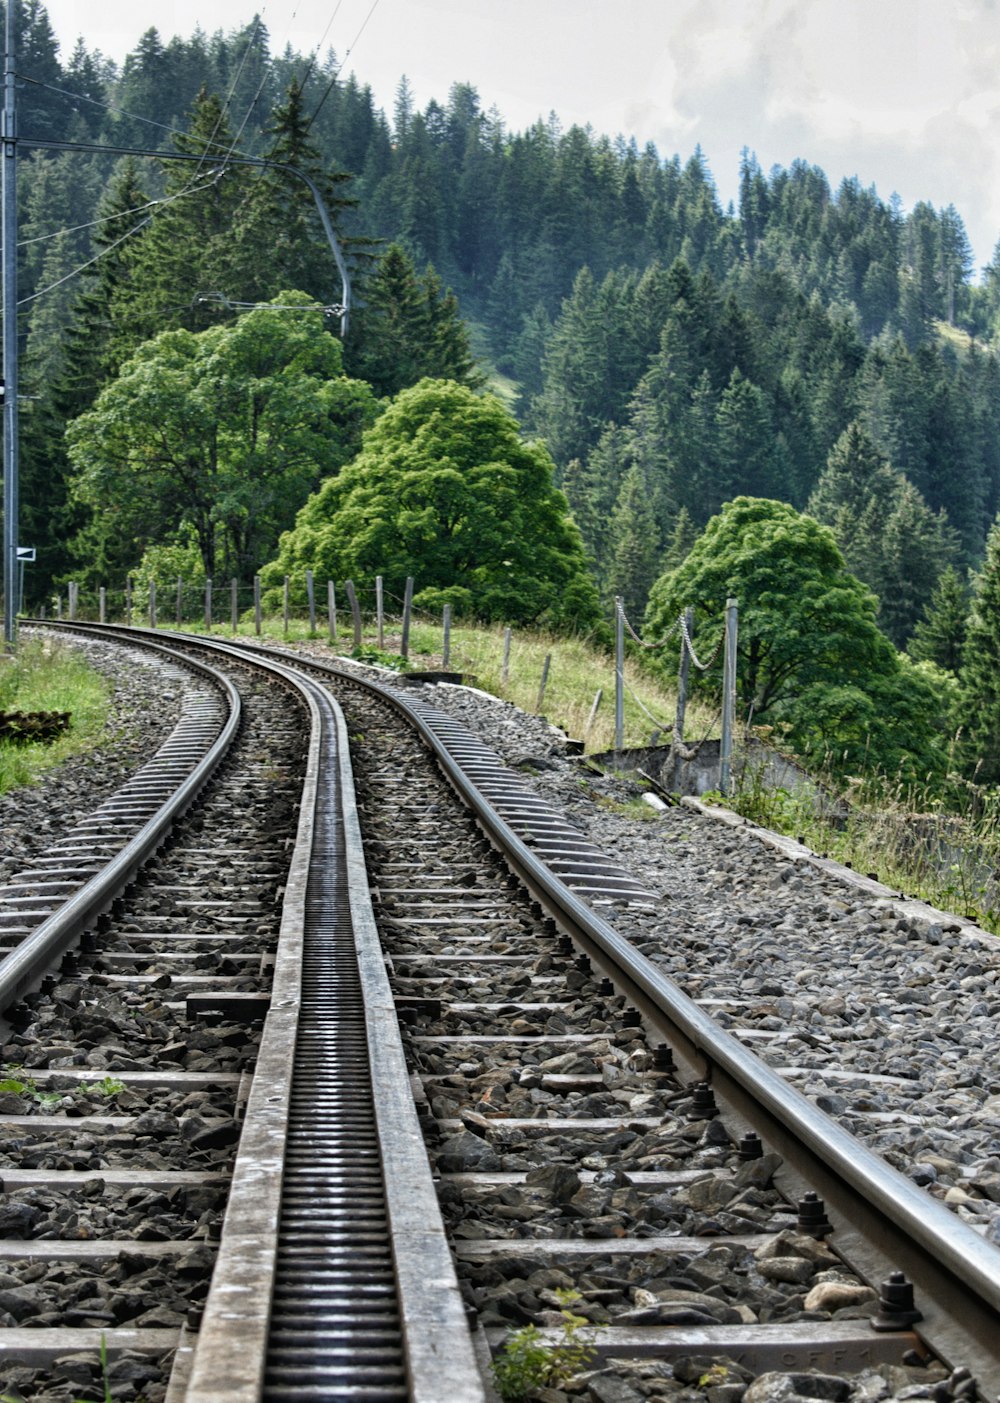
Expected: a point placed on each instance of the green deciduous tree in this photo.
(446, 491)
(810, 654)
(225, 431)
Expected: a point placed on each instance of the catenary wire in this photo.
(339, 69)
(168, 199)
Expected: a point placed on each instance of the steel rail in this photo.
(245, 1351)
(887, 1222)
(34, 956)
(230, 1352)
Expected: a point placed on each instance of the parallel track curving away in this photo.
(304, 1297)
(333, 1277)
(885, 1222)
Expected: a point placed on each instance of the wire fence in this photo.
(360, 619)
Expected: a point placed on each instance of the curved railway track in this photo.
(568, 1149)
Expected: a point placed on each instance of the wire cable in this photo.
(23, 301)
(109, 218)
(319, 44)
(107, 106)
(167, 200)
(339, 69)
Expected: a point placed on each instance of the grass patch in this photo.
(45, 676)
(942, 847)
(578, 670)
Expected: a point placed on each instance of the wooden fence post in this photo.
(404, 643)
(234, 605)
(543, 684)
(446, 645)
(102, 604)
(593, 712)
(180, 601)
(311, 597)
(352, 599)
(505, 669)
(331, 609)
(285, 605)
(256, 604)
(73, 587)
(128, 601)
(152, 603)
(379, 617)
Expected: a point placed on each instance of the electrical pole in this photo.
(8, 199)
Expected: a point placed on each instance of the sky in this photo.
(903, 94)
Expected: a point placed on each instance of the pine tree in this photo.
(682, 538)
(277, 240)
(890, 537)
(409, 328)
(855, 496)
(940, 633)
(980, 708)
(634, 546)
(95, 345)
(179, 274)
(916, 546)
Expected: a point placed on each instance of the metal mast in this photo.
(8, 198)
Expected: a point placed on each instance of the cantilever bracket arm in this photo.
(344, 305)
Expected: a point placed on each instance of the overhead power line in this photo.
(339, 69)
(167, 200)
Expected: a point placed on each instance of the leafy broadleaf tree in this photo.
(224, 432)
(810, 654)
(445, 490)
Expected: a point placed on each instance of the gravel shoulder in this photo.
(146, 699)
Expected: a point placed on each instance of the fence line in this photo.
(299, 603)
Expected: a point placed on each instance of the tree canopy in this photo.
(811, 658)
(223, 431)
(446, 491)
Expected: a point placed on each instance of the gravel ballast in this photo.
(882, 1012)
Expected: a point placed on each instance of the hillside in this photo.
(669, 352)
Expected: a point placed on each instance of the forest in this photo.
(815, 346)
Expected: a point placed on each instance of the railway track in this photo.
(570, 1152)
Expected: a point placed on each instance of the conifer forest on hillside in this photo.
(812, 346)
